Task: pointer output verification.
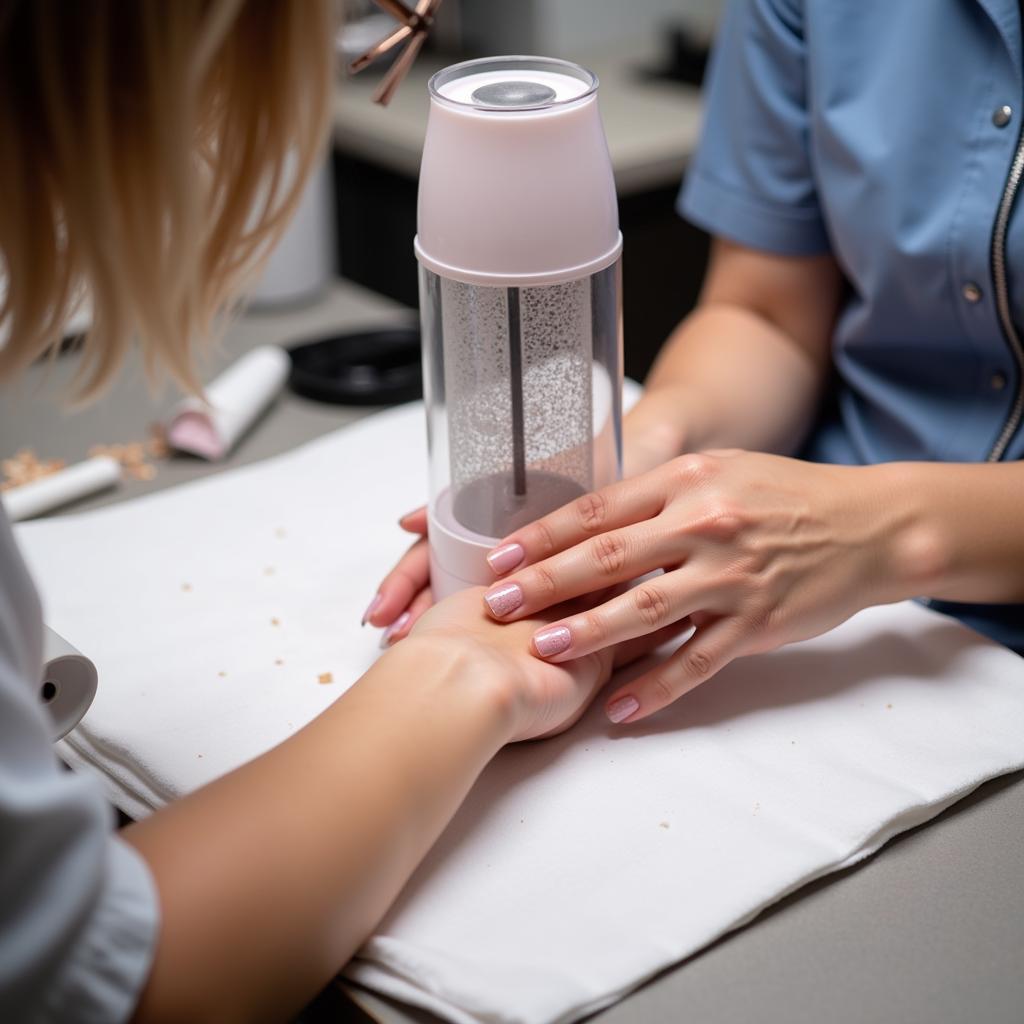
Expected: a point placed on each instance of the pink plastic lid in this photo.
(516, 184)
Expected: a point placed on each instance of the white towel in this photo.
(579, 866)
(212, 610)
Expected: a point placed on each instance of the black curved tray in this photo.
(375, 367)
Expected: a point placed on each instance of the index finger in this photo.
(621, 504)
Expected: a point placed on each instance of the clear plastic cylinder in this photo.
(523, 392)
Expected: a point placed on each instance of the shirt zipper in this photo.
(1002, 291)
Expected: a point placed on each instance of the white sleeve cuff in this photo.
(103, 977)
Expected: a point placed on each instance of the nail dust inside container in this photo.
(519, 381)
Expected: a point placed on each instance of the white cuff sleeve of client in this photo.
(78, 907)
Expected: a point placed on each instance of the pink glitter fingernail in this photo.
(504, 600)
(619, 710)
(505, 558)
(550, 642)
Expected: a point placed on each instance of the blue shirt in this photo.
(879, 132)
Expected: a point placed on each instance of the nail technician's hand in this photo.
(404, 594)
(548, 698)
(757, 551)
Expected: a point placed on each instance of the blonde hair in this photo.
(150, 153)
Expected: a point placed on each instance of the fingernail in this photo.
(371, 608)
(619, 710)
(555, 640)
(506, 558)
(504, 600)
(395, 627)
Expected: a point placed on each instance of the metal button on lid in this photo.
(998, 381)
(514, 94)
(971, 292)
(1002, 116)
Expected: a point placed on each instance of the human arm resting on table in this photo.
(271, 877)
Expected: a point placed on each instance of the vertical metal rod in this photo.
(515, 360)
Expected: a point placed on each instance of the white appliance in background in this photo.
(576, 28)
(78, 323)
(303, 262)
(301, 266)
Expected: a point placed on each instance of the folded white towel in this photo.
(579, 866)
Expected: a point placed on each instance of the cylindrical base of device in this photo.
(458, 554)
(458, 557)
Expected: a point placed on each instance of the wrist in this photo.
(654, 431)
(461, 679)
(916, 551)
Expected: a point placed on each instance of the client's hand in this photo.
(404, 594)
(547, 698)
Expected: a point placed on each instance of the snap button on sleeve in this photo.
(1002, 116)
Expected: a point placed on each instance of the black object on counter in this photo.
(375, 367)
(685, 57)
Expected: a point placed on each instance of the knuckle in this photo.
(543, 582)
(592, 511)
(717, 518)
(609, 553)
(662, 689)
(697, 663)
(652, 605)
(694, 469)
(720, 514)
(723, 517)
(542, 540)
(760, 620)
(594, 628)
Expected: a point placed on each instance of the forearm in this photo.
(271, 877)
(726, 378)
(956, 529)
(748, 367)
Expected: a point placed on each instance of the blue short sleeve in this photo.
(751, 180)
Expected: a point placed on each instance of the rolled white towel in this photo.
(211, 428)
(60, 488)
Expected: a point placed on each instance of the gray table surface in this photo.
(931, 929)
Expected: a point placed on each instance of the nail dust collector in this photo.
(518, 243)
